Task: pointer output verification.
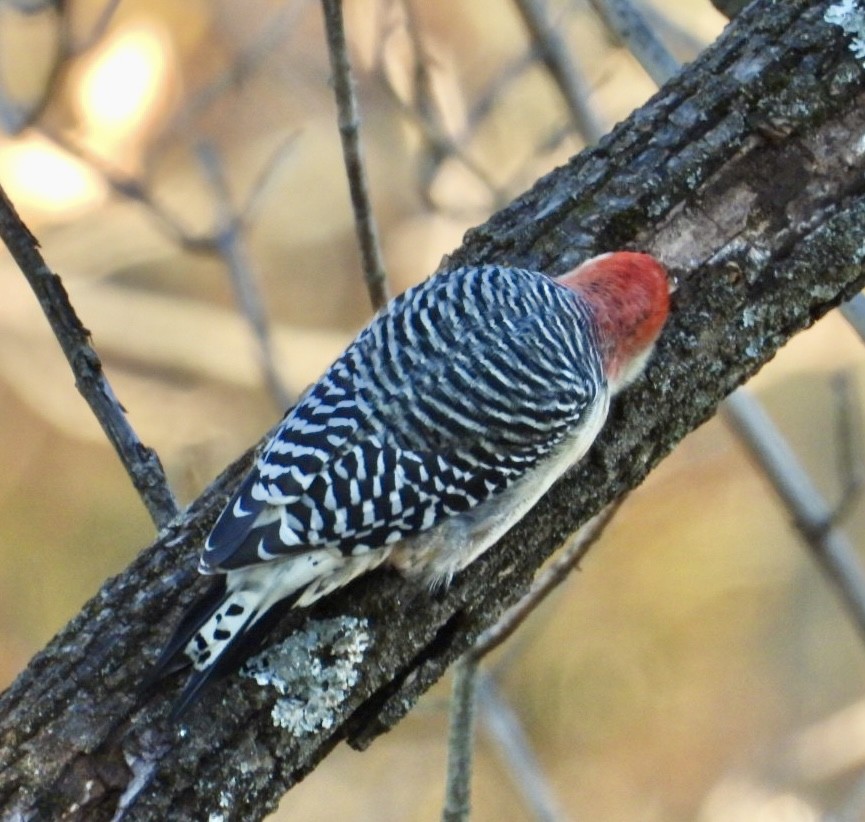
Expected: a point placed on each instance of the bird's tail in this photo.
(228, 623)
(218, 633)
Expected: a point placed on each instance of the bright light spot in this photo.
(42, 178)
(124, 85)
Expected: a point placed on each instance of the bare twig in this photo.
(231, 247)
(668, 26)
(466, 672)
(265, 177)
(349, 132)
(552, 577)
(557, 57)
(629, 24)
(141, 463)
(424, 111)
(854, 312)
(496, 88)
(440, 146)
(239, 69)
(811, 514)
(226, 240)
(461, 740)
(133, 188)
(98, 28)
(15, 117)
(849, 449)
(137, 190)
(503, 725)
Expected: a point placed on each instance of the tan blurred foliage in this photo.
(698, 634)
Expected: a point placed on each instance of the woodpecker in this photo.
(435, 431)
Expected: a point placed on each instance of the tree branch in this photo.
(812, 516)
(141, 463)
(349, 132)
(567, 76)
(233, 250)
(746, 175)
(627, 22)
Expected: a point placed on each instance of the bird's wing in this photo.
(460, 387)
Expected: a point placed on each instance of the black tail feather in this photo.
(245, 642)
(200, 680)
(172, 659)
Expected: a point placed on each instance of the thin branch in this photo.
(240, 68)
(457, 805)
(440, 145)
(854, 312)
(16, 117)
(98, 28)
(558, 570)
(141, 463)
(231, 247)
(497, 87)
(503, 725)
(849, 447)
(811, 514)
(349, 132)
(557, 57)
(225, 241)
(629, 25)
(424, 98)
(135, 189)
(466, 672)
(424, 111)
(669, 27)
(265, 177)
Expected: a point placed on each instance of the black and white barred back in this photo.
(426, 425)
(454, 391)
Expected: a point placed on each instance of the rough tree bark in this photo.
(746, 174)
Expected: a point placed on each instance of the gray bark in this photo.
(746, 174)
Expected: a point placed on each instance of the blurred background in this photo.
(698, 667)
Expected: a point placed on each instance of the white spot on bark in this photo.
(313, 671)
(690, 236)
(851, 18)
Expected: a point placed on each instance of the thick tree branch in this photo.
(746, 174)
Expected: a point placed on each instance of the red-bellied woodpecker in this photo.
(437, 429)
